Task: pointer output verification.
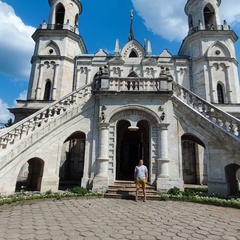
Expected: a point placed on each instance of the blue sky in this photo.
(162, 22)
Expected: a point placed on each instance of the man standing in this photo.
(140, 178)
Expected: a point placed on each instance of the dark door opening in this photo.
(131, 147)
(72, 162)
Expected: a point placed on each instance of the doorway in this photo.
(72, 161)
(233, 178)
(131, 147)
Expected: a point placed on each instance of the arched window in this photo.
(133, 54)
(190, 21)
(76, 20)
(208, 18)
(220, 93)
(132, 74)
(47, 91)
(60, 14)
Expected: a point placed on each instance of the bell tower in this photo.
(57, 44)
(210, 46)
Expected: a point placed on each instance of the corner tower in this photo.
(211, 48)
(57, 44)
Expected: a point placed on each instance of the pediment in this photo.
(133, 49)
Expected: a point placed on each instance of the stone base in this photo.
(49, 183)
(86, 183)
(100, 184)
(164, 184)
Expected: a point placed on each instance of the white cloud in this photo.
(230, 11)
(168, 19)
(16, 45)
(5, 115)
(23, 95)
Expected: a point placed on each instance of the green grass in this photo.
(200, 196)
(24, 195)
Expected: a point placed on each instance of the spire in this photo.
(116, 52)
(131, 34)
(149, 48)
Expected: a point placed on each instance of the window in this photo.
(208, 18)
(133, 54)
(60, 13)
(220, 93)
(47, 91)
(132, 74)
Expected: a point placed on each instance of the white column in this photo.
(163, 160)
(229, 91)
(54, 87)
(39, 83)
(103, 158)
(212, 91)
(100, 181)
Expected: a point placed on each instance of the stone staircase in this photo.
(127, 189)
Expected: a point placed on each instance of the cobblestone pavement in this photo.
(107, 219)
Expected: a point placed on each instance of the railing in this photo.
(140, 84)
(209, 28)
(57, 27)
(21, 129)
(218, 117)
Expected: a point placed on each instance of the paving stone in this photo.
(111, 219)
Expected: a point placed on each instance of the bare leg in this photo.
(144, 194)
(136, 197)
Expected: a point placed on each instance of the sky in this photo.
(162, 22)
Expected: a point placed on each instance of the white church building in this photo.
(89, 118)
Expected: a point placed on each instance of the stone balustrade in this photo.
(212, 27)
(58, 27)
(218, 117)
(140, 84)
(30, 124)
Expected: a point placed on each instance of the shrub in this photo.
(174, 191)
(80, 191)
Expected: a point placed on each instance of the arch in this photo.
(193, 138)
(60, 15)
(232, 172)
(47, 90)
(133, 113)
(209, 17)
(72, 160)
(133, 48)
(51, 48)
(220, 93)
(30, 175)
(218, 49)
(192, 159)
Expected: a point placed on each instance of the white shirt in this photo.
(141, 171)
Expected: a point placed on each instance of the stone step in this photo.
(127, 189)
(131, 196)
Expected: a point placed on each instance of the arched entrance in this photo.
(131, 147)
(233, 178)
(72, 161)
(193, 160)
(30, 175)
